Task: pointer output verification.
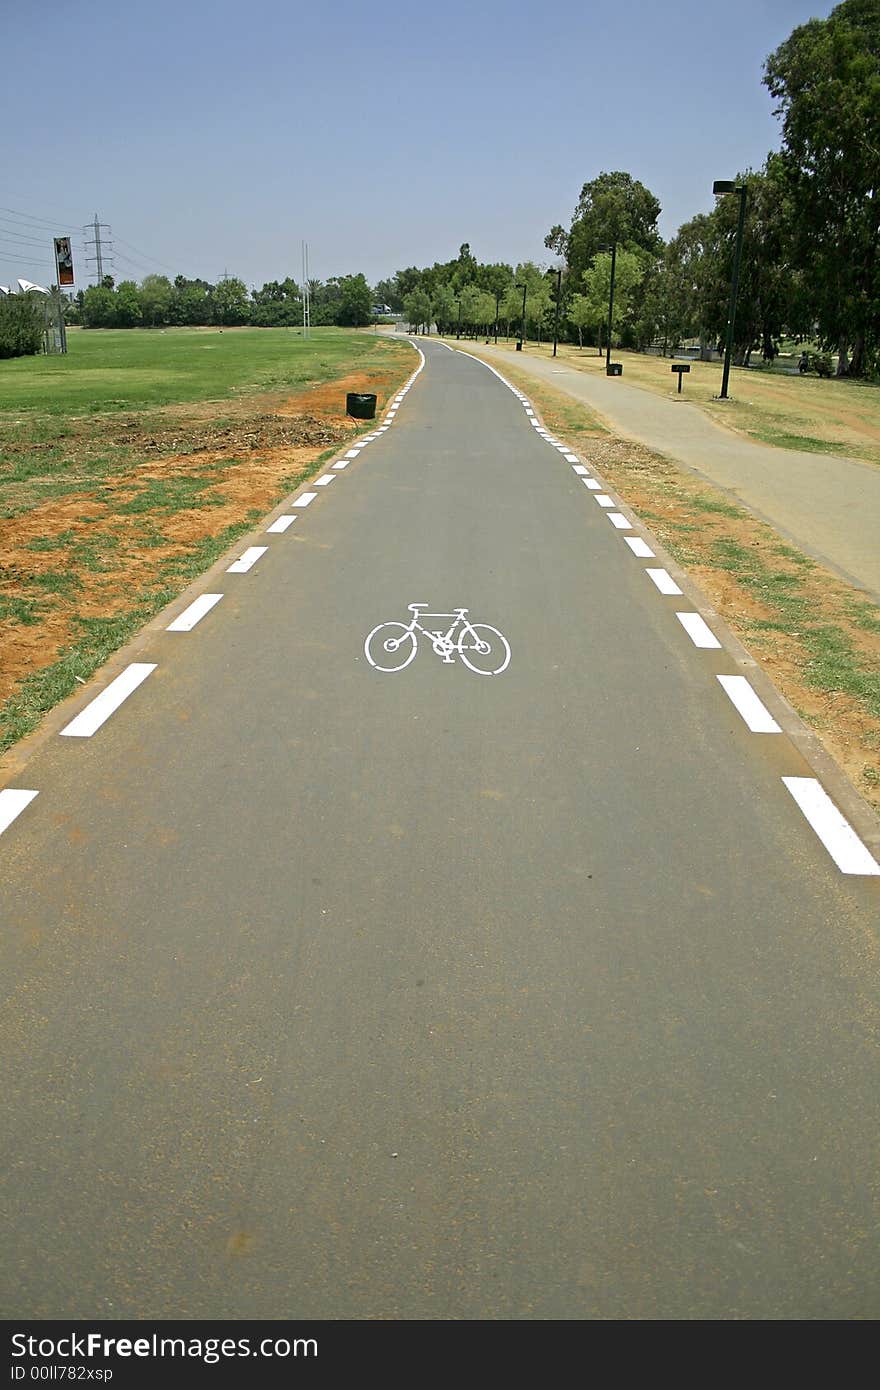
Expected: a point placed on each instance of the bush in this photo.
(21, 325)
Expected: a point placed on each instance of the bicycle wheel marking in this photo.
(482, 649)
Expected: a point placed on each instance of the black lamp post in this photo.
(458, 334)
(522, 326)
(558, 301)
(721, 186)
(608, 371)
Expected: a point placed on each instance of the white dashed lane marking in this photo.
(100, 709)
(12, 803)
(325, 479)
(306, 500)
(280, 526)
(664, 581)
(836, 833)
(603, 499)
(753, 711)
(248, 559)
(186, 621)
(639, 547)
(618, 520)
(698, 630)
(580, 470)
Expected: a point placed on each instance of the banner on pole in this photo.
(63, 261)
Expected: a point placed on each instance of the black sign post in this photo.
(680, 367)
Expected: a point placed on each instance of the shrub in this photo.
(22, 322)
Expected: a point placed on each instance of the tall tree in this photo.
(156, 295)
(230, 302)
(826, 79)
(612, 207)
(355, 302)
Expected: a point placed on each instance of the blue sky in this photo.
(217, 136)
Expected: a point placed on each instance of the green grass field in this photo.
(109, 370)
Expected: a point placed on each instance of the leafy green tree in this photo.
(628, 273)
(612, 207)
(417, 307)
(497, 279)
(127, 312)
(443, 306)
(277, 305)
(191, 302)
(230, 302)
(355, 304)
(156, 296)
(582, 313)
(826, 80)
(98, 307)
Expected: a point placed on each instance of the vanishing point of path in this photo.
(827, 505)
(334, 991)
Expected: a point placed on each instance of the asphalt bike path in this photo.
(826, 504)
(334, 991)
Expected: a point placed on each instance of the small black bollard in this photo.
(680, 367)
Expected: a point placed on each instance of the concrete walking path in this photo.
(827, 505)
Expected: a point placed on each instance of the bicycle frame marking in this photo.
(387, 639)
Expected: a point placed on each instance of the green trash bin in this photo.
(360, 405)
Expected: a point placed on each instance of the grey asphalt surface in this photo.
(826, 504)
(334, 994)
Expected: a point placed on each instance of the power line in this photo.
(37, 222)
(143, 255)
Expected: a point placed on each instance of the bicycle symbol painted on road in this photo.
(483, 649)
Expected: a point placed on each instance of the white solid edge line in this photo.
(698, 630)
(186, 621)
(753, 711)
(247, 560)
(280, 526)
(12, 803)
(664, 581)
(639, 547)
(835, 832)
(305, 500)
(100, 709)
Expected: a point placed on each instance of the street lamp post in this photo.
(719, 187)
(522, 326)
(558, 299)
(610, 309)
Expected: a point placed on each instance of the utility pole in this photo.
(100, 252)
(307, 299)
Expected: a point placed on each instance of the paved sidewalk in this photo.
(828, 506)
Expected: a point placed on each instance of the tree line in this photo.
(158, 302)
(810, 267)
